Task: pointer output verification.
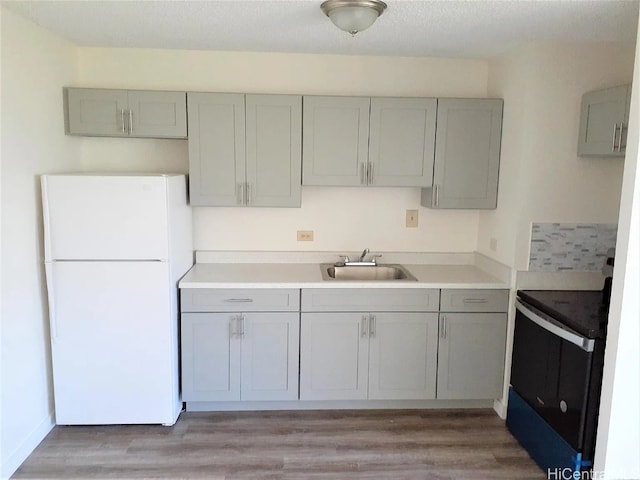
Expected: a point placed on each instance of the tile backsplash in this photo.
(570, 246)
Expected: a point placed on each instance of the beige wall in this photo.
(342, 218)
(35, 66)
(541, 177)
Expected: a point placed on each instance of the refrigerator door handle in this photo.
(48, 270)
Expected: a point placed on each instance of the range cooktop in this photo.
(580, 310)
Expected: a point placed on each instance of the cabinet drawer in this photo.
(370, 299)
(239, 300)
(474, 300)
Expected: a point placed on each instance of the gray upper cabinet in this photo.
(126, 113)
(216, 148)
(244, 150)
(335, 140)
(359, 141)
(604, 118)
(401, 141)
(273, 148)
(467, 154)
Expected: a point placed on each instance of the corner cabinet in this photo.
(248, 350)
(245, 150)
(125, 113)
(362, 141)
(471, 347)
(604, 119)
(467, 155)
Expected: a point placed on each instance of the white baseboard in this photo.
(13, 461)
(500, 408)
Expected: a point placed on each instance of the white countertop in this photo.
(308, 275)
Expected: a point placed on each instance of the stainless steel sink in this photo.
(366, 273)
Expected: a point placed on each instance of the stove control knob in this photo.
(563, 406)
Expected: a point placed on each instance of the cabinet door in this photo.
(157, 114)
(335, 140)
(471, 355)
(603, 122)
(334, 355)
(210, 357)
(270, 346)
(216, 148)
(98, 112)
(467, 156)
(274, 142)
(401, 141)
(403, 355)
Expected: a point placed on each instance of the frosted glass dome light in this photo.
(353, 16)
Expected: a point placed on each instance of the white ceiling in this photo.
(445, 28)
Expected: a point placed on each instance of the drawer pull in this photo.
(239, 300)
(475, 300)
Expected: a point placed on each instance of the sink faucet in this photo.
(364, 253)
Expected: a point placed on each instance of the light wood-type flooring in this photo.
(327, 445)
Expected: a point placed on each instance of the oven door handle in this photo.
(536, 317)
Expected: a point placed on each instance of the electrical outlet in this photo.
(412, 218)
(493, 244)
(305, 235)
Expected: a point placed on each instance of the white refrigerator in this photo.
(115, 248)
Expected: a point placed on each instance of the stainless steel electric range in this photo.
(556, 376)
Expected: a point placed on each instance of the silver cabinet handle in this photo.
(241, 321)
(620, 137)
(364, 326)
(233, 326)
(362, 173)
(370, 174)
(240, 194)
(613, 140)
(436, 195)
(130, 121)
(372, 326)
(249, 188)
(238, 300)
(124, 130)
(475, 300)
(443, 326)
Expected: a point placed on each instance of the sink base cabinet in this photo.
(376, 356)
(245, 356)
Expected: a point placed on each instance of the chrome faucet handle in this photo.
(374, 256)
(345, 260)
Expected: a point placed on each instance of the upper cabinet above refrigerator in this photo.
(103, 112)
(604, 119)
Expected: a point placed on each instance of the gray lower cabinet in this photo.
(360, 141)
(467, 154)
(471, 346)
(245, 150)
(239, 356)
(377, 344)
(604, 119)
(126, 113)
(361, 355)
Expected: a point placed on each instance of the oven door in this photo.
(550, 371)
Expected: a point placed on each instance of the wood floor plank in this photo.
(313, 445)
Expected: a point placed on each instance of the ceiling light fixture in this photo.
(353, 16)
